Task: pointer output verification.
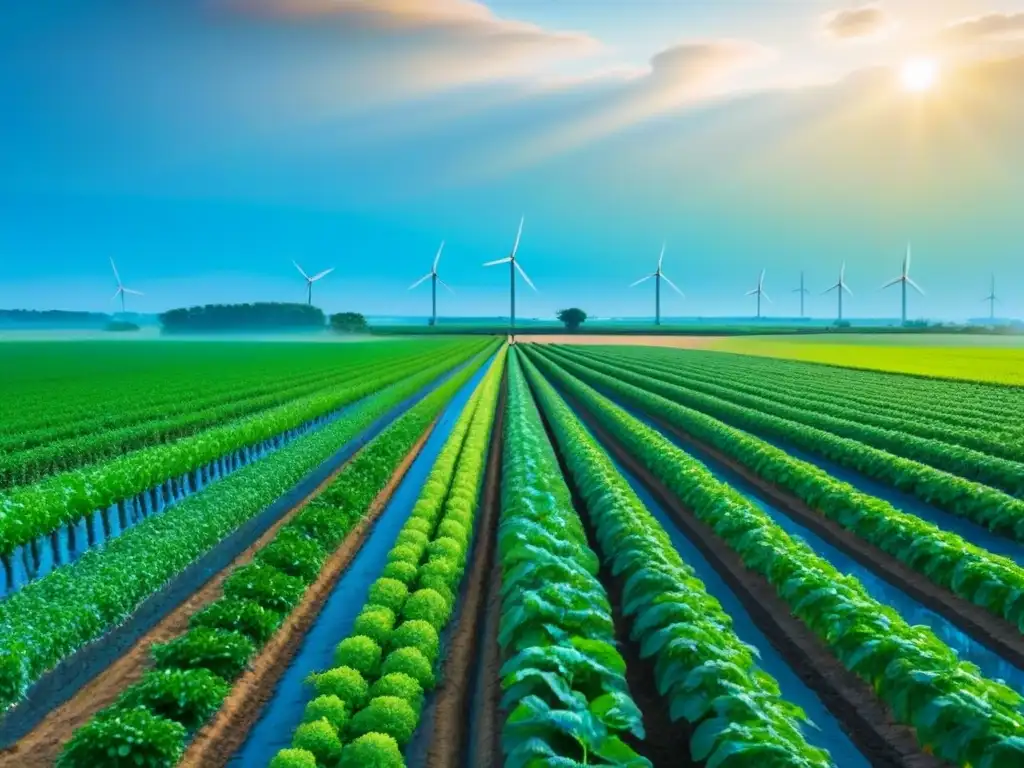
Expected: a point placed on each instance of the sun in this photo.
(920, 75)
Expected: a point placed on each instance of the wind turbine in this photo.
(992, 299)
(905, 280)
(513, 265)
(434, 280)
(803, 292)
(840, 287)
(759, 292)
(658, 276)
(121, 290)
(311, 280)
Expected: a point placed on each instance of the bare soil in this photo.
(452, 709)
(219, 739)
(677, 342)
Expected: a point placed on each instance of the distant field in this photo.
(978, 358)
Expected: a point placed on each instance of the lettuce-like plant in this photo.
(411, 662)
(187, 696)
(385, 714)
(320, 739)
(418, 634)
(389, 593)
(372, 750)
(400, 570)
(376, 623)
(293, 758)
(329, 708)
(345, 683)
(223, 653)
(295, 554)
(360, 653)
(429, 606)
(125, 739)
(401, 685)
(268, 586)
(238, 615)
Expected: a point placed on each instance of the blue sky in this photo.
(203, 144)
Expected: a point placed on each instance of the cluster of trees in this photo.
(572, 317)
(243, 317)
(52, 318)
(349, 322)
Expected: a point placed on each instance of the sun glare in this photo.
(919, 75)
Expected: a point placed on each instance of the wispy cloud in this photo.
(861, 23)
(992, 26)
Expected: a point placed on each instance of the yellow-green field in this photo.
(992, 359)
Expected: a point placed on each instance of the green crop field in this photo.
(448, 551)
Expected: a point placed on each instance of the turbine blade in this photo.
(442, 282)
(767, 297)
(829, 290)
(496, 262)
(893, 282)
(642, 279)
(753, 292)
(673, 286)
(906, 262)
(525, 276)
(847, 289)
(760, 280)
(317, 276)
(301, 272)
(116, 293)
(519, 234)
(917, 287)
(661, 256)
(129, 290)
(114, 267)
(438, 257)
(425, 277)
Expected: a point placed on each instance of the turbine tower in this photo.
(992, 299)
(840, 287)
(803, 292)
(513, 265)
(905, 280)
(121, 290)
(311, 280)
(658, 276)
(434, 280)
(759, 292)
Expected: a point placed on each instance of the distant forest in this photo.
(52, 318)
(243, 317)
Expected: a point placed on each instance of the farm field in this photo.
(446, 552)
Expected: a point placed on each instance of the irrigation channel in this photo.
(273, 730)
(70, 677)
(991, 664)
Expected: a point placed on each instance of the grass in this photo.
(989, 359)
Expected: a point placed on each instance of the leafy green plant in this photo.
(320, 739)
(417, 634)
(400, 685)
(329, 708)
(187, 696)
(360, 653)
(402, 571)
(245, 616)
(405, 554)
(295, 554)
(293, 758)
(274, 590)
(345, 683)
(386, 714)
(225, 654)
(411, 662)
(429, 606)
(376, 623)
(125, 739)
(372, 750)
(388, 593)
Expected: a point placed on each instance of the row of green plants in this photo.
(28, 466)
(993, 582)
(28, 512)
(957, 713)
(993, 509)
(563, 680)
(153, 719)
(706, 674)
(748, 378)
(52, 618)
(375, 691)
(993, 471)
(940, 403)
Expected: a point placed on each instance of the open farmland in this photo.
(447, 552)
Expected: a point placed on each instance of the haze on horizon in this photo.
(204, 144)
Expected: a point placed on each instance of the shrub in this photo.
(406, 554)
(401, 685)
(390, 593)
(453, 529)
(446, 548)
(245, 616)
(428, 605)
(294, 553)
(386, 714)
(420, 524)
(123, 739)
(266, 585)
(440, 585)
(417, 634)
(411, 662)
(223, 653)
(415, 539)
(400, 570)
(345, 683)
(293, 758)
(322, 522)
(372, 750)
(360, 653)
(448, 571)
(320, 739)
(329, 708)
(376, 622)
(187, 696)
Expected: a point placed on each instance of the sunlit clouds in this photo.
(861, 23)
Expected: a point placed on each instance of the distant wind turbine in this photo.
(311, 280)
(121, 290)
(434, 280)
(905, 280)
(803, 292)
(658, 276)
(513, 265)
(759, 292)
(992, 299)
(840, 287)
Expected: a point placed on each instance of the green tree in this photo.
(572, 317)
(348, 322)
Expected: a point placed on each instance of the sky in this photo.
(205, 144)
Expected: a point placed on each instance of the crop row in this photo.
(968, 463)
(55, 616)
(989, 507)
(153, 719)
(884, 415)
(563, 680)
(375, 691)
(706, 674)
(993, 582)
(31, 511)
(23, 467)
(956, 713)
